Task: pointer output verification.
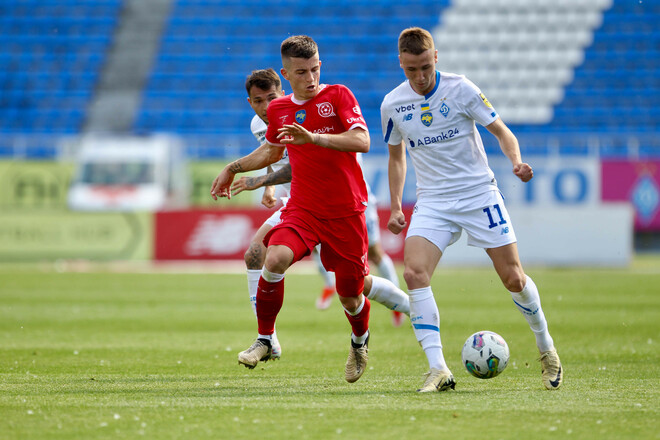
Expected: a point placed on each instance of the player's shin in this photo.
(359, 320)
(253, 276)
(383, 291)
(425, 320)
(270, 296)
(528, 303)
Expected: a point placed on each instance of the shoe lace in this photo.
(549, 361)
(256, 345)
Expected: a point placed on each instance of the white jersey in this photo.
(259, 127)
(441, 136)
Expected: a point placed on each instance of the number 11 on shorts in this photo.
(492, 223)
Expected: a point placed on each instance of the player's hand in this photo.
(523, 171)
(294, 134)
(268, 199)
(243, 184)
(397, 222)
(220, 186)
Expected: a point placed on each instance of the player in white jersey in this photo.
(432, 115)
(263, 86)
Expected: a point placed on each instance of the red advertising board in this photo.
(637, 182)
(226, 234)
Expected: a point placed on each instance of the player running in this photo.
(322, 128)
(432, 115)
(376, 254)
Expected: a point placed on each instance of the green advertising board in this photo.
(33, 236)
(37, 225)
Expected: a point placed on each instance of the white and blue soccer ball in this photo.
(485, 354)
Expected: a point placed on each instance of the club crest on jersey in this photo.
(300, 116)
(427, 118)
(444, 109)
(326, 110)
(357, 110)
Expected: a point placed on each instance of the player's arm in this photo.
(263, 156)
(396, 172)
(509, 146)
(283, 175)
(356, 140)
(268, 197)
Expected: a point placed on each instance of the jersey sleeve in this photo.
(391, 135)
(274, 123)
(348, 110)
(258, 128)
(476, 104)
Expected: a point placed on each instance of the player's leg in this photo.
(384, 292)
(254, 262)
(526, 297)
(344, 250)
(285, 247)
(325, 299)
(357, 310)
(386, 269)
(421, 257)
(376, 254)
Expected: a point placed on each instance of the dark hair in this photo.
(415, 40)
(263, 79)
(299, 46)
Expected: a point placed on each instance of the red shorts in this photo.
(344, 241)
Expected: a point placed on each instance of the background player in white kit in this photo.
(433, 115)
(263, 86)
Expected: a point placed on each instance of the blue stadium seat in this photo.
(51, 52)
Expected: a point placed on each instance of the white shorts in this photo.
(275, 218)
(373, 223)
(484, 218)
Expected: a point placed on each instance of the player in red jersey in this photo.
(322, 128)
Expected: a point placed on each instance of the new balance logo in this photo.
(505, 230)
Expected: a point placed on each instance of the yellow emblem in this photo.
(485, 100)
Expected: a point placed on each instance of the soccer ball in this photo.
(485, 354)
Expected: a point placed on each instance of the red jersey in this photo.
(328, 183)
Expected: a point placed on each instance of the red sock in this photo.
(360, 322)
(270, 297)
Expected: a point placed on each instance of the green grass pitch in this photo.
(134, 355)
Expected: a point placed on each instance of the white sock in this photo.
(253, 276)
(386, 293)
(359, 340)
(528, 302)
(387, 270)
(271, 277)
(426, 325)
(328, 277)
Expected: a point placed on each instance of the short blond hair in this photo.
(415, 40)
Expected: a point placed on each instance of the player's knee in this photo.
(415, 278)
(514, 281)
(277, 262)
(254, 256)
